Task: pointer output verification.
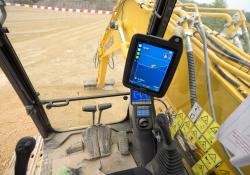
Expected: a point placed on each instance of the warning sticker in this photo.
(223, 169)
(195, 112)
(204, 121)
(178, 121)
(193, 135)
(173, 129)
(203, 144)
(187, 125)
(199, 168)
(211, 131)
(180, 118)
(211, 159)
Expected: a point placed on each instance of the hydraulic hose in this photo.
(227, 52)
(191, 70)
(208, 78)
(220, 71)
(241, 62)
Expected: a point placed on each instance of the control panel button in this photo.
(143, 123)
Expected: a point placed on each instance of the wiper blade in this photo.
(65, 102)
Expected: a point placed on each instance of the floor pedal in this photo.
(123, 143)
(104, 139)
(90, 141)
(97, 141)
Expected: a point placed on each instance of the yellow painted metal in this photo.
(131, 17)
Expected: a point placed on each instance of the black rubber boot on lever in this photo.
(92, 109)
(167, 160)
(23, 150)
(102, 107)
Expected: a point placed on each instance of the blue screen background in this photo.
(139, 96)
(150, 66)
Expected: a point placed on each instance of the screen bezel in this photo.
(174, 44)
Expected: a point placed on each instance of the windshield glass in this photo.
(63, 46)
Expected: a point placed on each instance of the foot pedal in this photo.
(104, 139)
(123, 143)
(90, 141)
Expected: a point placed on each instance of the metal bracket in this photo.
(30, 109)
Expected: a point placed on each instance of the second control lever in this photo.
(102, 107)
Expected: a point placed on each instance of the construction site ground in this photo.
(56, 49)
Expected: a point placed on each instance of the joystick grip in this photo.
(163, 123)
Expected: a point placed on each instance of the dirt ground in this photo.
(56, 49)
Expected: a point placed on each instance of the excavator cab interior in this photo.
(165, 129)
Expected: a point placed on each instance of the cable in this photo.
(208, 78)
(227, 53)
(223, 74)
(165, 105)
(241, 62)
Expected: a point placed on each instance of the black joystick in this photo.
(23, 150)
(163, 123)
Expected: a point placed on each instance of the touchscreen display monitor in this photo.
(150, 66)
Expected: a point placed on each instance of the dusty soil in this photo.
(56, 49)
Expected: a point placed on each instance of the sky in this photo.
(241, 4)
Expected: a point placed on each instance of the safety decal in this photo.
(193, 135)
(199, 168)
(203, 143)
(180, 117)
(204, 121)
(195, 112)
(211, 159)
(211, 131)
(187, 125)
(178, 122)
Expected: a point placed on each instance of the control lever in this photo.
(91, 108)
(163, 123)
(23, 150)
(102, 107)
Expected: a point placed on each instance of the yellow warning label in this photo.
(187, 125)
(211, 159)
(223, 169)
(193, 135)
(203, 144)
(178, 121)
(174, 128)
(211, 131)
(180, 118)
(199, 168)
(204, 121)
